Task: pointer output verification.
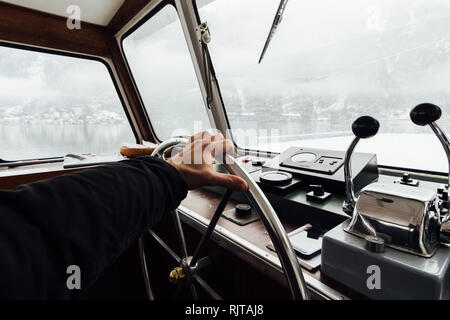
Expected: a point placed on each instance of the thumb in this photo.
(228, 181)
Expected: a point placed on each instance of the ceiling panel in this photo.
(93, 11)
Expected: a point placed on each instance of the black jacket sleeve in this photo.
(86, 219)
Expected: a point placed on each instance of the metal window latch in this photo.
(205, 35)
(205, 39)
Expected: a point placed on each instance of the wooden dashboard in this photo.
(250, 243)
(10, 178)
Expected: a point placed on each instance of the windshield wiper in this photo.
(275, 24)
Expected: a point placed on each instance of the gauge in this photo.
(304, 157)
(276, 178)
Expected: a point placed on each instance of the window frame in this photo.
(161, 5)
(240, 150)
(76, 56)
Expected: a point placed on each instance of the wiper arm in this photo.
(275, 24)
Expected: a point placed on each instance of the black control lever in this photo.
(427, 114)
(364, 127)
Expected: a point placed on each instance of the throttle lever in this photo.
(427, 114)
(363, 128)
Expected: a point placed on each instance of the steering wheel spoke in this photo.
(143, 260)
(164, 246)
(208, 289)
(179, 231)
(212, 225)
(193, 291)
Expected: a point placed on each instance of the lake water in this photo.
(29, 141)
(26, 141)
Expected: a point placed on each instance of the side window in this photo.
(51, 105)
(160, 62)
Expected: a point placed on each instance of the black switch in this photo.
(407, 180)
(317, 193)
(243, 210)
(374, 244)
(406, 177)
(317, 190)
(258, 162)
(441, 189)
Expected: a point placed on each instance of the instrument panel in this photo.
(299, 167)
(321, 161)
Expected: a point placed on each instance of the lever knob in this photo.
(425, 113)
(375, 244)
(243, 210)
(406, 177)
(365, 127)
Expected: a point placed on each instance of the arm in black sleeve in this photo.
(86, 219)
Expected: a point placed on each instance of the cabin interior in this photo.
(339, 128)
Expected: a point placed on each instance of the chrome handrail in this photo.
(280, 240)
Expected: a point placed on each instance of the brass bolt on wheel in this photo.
(176, 274)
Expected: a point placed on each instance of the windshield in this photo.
(328, 63)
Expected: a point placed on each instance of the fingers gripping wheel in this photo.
(161, 149)
(188, 266)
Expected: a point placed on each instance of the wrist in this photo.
(173, 164)
(178, 168)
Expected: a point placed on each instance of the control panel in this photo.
(310, 169)
(321, 161)
(325, 167)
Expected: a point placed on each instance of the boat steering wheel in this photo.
(188, 266)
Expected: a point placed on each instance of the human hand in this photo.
(195, 162)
